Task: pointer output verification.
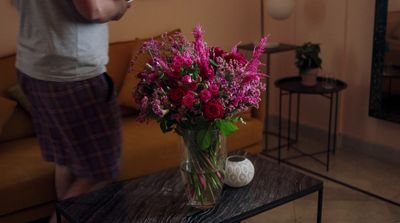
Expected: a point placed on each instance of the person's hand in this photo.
(124, 5)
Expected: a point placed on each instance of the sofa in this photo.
(27, 182)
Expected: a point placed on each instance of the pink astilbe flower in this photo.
(203, 53)
(254, 63)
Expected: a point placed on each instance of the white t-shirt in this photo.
(56, 44)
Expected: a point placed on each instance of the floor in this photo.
(342, 204)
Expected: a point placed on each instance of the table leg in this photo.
(280, 126)
(289, 120)
(266, 107)
(58, 216)
(336, 116)
(319, 210)
(297, 118)
(329, 132)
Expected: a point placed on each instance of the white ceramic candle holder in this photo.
(239, 171)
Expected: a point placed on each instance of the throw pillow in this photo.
(7, 107)
(15, 92)
(125, 97)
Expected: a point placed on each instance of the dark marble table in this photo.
(160, 198)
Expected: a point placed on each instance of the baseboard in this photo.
(380, 152)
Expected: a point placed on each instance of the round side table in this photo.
(292, 85)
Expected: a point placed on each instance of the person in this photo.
(62, 52)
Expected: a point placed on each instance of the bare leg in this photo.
(78, 187)
(63, 180)
(81, 186)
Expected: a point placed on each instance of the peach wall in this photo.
(394, 5)
(226, 22)
(8, 27)
(345, 30)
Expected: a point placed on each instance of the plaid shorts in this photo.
(77, 124)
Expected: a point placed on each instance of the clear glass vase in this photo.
(202, 166)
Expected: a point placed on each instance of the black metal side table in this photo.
(292, 85)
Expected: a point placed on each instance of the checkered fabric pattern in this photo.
(77, 123)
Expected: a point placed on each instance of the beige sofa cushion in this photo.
(7, 107)
(7, 74)
(18, 126)
(28, 180)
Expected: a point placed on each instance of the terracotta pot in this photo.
(309, 77)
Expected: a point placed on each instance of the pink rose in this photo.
(213, 110)
(205, 95)
(177, 63)
(188, 100)
(187, 61)
(186, 79)
(214, 89)
(180, 61)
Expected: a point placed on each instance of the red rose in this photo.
(205, 95)
(235, 56)
(188, 100)
(177, 94)
(213, 110)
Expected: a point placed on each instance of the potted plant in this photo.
(309, 63)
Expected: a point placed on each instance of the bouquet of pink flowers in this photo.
(190, 85)
(199, 92)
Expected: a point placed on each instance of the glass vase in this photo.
(202, 166)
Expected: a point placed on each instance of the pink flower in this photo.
(214, 89)
(205, 95)
(187, 61)
(177, 94)
(206, 71)
(193, 86)
(213, 110)
(179, 62)
(173, 74)
(235, 56)
(186, 79)
(188, 100)
(217, 52)
(152, 77)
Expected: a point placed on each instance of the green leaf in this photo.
(213, 63)
(226, 127)
(204, 139)
(165, 125)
